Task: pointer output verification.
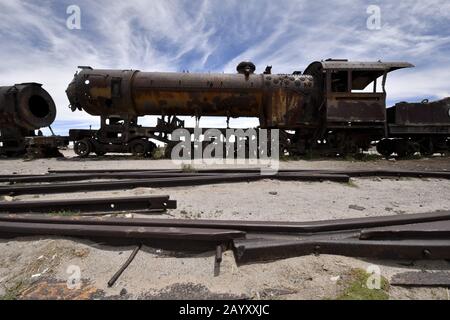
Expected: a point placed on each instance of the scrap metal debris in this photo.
(116, 276)
(115, 232)
(102, 205)
(218, 260)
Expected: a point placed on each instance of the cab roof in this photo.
(364, 73)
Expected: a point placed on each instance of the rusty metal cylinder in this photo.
(129, 93)
(27, 106)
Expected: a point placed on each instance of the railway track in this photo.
(117, 180)
(417, 236)
(414, 236)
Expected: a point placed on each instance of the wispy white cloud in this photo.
(214, 35)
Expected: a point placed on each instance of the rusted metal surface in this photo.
(218, 260)
(304, 228)
(90, 205)
(343, 64)
(118, 232)
(421, 130)
(256, 241)
(123, 184)
(436, 113)
(392, 173)
(337, 81)
(364, 107)
(163, 183)
(110, 171)
(429, 230)
(77, 175)
(417, 127)
(97, 176)
(422, 279)
(134, 93)
(351, 118)
(27, 106)
(24, 108)
(279, 101)
(266, 250)
(351, 172)
(12, 140)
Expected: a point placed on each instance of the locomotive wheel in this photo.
(426, 148)
(385, 148)
(83, 148)
(139, 147)
(405, 148)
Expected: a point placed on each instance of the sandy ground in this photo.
(35, 265)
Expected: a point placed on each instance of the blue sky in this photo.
(214, 35)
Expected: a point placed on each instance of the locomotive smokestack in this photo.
(26, 105)
(246, 67)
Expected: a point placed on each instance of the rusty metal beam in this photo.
(161, 183)
(429, 230)
(254, 241)
(112, 171)
(247, 251)
(218, 260)
(98, 176)
(116, 232)
(394, 173)
(90, 205)
(245, 226)
(351, 173)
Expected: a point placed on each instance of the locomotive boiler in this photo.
(24, 108)
(272, 98)
(333, 107)
(120, 97)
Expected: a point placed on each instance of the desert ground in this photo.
(40, 267)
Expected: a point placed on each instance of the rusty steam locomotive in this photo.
(334, 107)
(326, 109)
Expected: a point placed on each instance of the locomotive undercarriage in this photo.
(332, 142)
(408, 146)
(16, 142)
(125, 136)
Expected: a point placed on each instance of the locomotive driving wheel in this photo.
(386, 148)
(142, 147)
(83, 148)
(426, 147)
(139, 147)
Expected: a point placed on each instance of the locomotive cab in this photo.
(348, 97)
(351, 100)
